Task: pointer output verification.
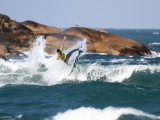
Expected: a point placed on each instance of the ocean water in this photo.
(101, 87)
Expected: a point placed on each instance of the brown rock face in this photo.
(39, 28)
(104, 42)
(15, 38)
(3, 50)
(11, 26)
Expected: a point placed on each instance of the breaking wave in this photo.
(40, 68)
(111, 113)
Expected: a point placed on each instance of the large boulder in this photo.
(37, 28)
(16, 37)
(11, 26)
(100, 41)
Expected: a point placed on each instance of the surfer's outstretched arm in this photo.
(69, 54)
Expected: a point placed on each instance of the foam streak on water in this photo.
(155, 43)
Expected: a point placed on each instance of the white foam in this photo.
(111, 73)
(108, 113)
(154, 54)
(19, 116)
(22, 72)
(154, 44)
(29, 70)
(97, 53)
(156, 33)
(120, 60)
(57, 72)
(11, 117)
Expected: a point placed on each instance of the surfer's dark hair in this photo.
(58, 50)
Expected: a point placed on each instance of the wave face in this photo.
(37, 86)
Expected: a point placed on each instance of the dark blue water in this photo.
(102, 87)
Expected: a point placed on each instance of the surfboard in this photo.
(75, 61)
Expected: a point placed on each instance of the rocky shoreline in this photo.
(15, 39)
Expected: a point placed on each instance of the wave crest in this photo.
(111, 113)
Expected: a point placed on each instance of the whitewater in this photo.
(35, 85)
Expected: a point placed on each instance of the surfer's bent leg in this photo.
(69, 54)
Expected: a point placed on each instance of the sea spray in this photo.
(37, 68)
(16, 71)
(81, 45)
(58, 71)
(154, 54)
(37, 54)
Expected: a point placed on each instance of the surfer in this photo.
(60, 55)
